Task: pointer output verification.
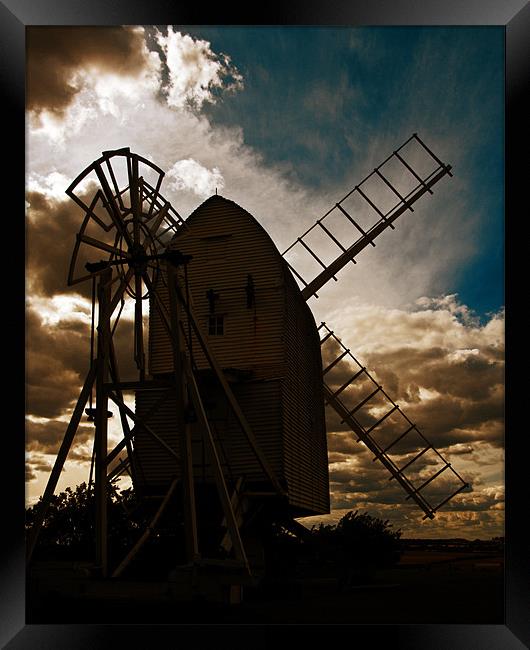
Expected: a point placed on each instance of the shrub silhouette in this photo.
(359, 545)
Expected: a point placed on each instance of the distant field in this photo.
(426, 587)
(434, 556)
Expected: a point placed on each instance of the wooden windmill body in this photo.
(265, 339)
(229, 406)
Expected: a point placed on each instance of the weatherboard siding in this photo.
(252, 335)
(155, 465)
(274, 341)
(261, 403)
(304, 440)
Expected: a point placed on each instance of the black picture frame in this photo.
(514, 15)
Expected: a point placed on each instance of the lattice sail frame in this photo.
(367, 210)
(373, 416)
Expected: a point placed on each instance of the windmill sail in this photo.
(361, 404)
(367, 210)
(373, 416)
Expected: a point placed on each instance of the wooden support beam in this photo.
(101, 422)
(183, 424)
(148, 531)
(137, 420)
(242, 420)
(215, 463)
(127, 436)
(139, 354)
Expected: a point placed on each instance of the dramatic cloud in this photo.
(36, 464)
(58, 357)
(57, 55)
(191, 175)
(195, 72)
(52, 226)
(445, 370)
(52, 186)
(45, 436)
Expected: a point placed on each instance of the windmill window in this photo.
(216, 325)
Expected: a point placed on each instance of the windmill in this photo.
(228, 426)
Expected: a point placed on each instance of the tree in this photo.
(68, 530)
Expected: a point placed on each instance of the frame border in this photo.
(514, 15)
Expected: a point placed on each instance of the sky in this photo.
(285, 121)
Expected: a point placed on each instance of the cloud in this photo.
(57, 55)
(448, 303)
(34, 465)
(445, 369)
(52, 187)
(190, 175)
(195, 72)
(60, 308)
(58, 353)
(359, 484)
(57, 358)
(330, 102)
(139, 117)
(52, 227)
(45, 436)
(370, 327)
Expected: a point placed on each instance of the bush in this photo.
(358, 545)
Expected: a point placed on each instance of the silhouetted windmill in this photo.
(229, 411)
